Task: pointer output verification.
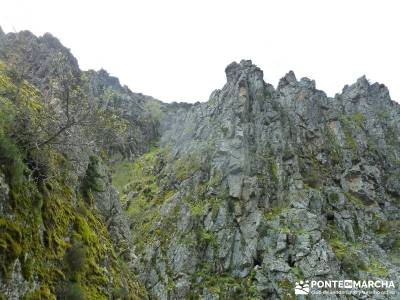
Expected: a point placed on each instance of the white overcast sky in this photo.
(177, 50)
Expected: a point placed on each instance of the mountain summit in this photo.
(271, 186)
(110, 194)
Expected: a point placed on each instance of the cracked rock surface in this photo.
(260, 187)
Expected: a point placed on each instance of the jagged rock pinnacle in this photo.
(235, 198)
(235, 70)
(288, 79)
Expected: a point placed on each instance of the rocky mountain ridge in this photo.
(62, 229)
(238, 197)
(269, 186)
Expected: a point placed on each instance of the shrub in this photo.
(75, 257)
(352, 263)
(120, 294)
(10, 160)
(92, 180)
(359, 119)
(71, 291)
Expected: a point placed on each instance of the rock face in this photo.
(48, 65)
(139, 112)
(36, 57)
(63, 232)
(260, 187)
(234, 198)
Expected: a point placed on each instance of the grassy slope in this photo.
(45, 221)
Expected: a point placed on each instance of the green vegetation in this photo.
(312, 172)
(213, 211)
(390, 231)
(205, 238)
(185, 167)
(333, 197)
(75, 257)
(123, 173)
(92, 180)
(135, 173)
(345, 252)
(333, 147)
(273, 166)
(287, 288)
(348, 255)
(140, 178)
(71, 291)
(154, 108)
(224, 285)
(354, 199)
(198, 209)
(273, 212)
(378, 269)
(272, 169)
(389, 227)
(350, 125)
(358, 119)
(56, 235)
(350, 142)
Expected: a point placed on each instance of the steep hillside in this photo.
(140, 112)
(110, 194)
(260, 187)
(49, 66)
(62, 230)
